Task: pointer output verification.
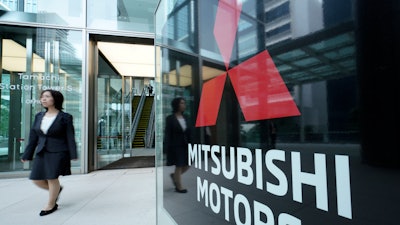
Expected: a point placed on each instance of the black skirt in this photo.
(50, 165)
(178, 156)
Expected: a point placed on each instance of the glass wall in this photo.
(121, 15)
(32, 60)
(274, 99)
(43, 46)
(59, 13)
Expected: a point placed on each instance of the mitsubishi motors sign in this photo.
(305, 82)
(262, 94)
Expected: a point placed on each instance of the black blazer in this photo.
(174, 134)
(60, 136)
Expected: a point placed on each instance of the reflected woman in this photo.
(177, 136)
(52, 141)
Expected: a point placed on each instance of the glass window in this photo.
(177, 74)
(207, 39)
(122, 15)
(177, 79)
(279, 11)
(250, 39)
(278, 30)
(182, 36)
(62, 13)
(34, 59)
(337, 11)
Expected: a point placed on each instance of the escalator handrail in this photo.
(150, 128)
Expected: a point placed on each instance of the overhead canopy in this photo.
(323, 55)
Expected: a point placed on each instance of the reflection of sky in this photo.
(69, 11)
(75, 39)
(246, 127)
(78, 50)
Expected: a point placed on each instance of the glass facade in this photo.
(32, 60)
(49, 44)
(278, 103)
(121, 15)
(45, 12)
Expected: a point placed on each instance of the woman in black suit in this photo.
(52, 140)
(176, 139)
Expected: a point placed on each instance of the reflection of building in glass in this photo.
(310, 67)
(15, 5)
(288, 19)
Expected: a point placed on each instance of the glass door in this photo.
(110, 119)
(122, 81)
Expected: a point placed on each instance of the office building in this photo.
(291, 104)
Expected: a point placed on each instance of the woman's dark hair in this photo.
(175, 104)
(57, 96)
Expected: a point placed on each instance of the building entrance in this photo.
(124, 99)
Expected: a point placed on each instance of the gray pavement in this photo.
(104, 197)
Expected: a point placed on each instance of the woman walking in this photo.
(52, 141)
(177, 136)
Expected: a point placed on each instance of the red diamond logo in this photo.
(225, 28)
(260, 89)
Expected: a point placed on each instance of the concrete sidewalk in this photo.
(104, 197)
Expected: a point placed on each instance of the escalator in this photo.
(139, 140)
(134, 127)
(135, 104)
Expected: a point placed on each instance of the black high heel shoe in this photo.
(181, 190)
(47, 212)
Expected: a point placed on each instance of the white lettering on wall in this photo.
(38, 77)
(241, 200)
(206, 150)
(281, 188)
(259, 173)
(259, 209)
(245, 172)
(318, 180)
(216, 170)
(286, 219)
(343, 186)
(192, 155)
(231, 173)
(202, 191)
(239, 163)
(244, 212)
(228, 194)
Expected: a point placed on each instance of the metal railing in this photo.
(150, 128)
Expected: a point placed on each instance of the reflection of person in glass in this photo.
(52, 138)
(177, 137)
